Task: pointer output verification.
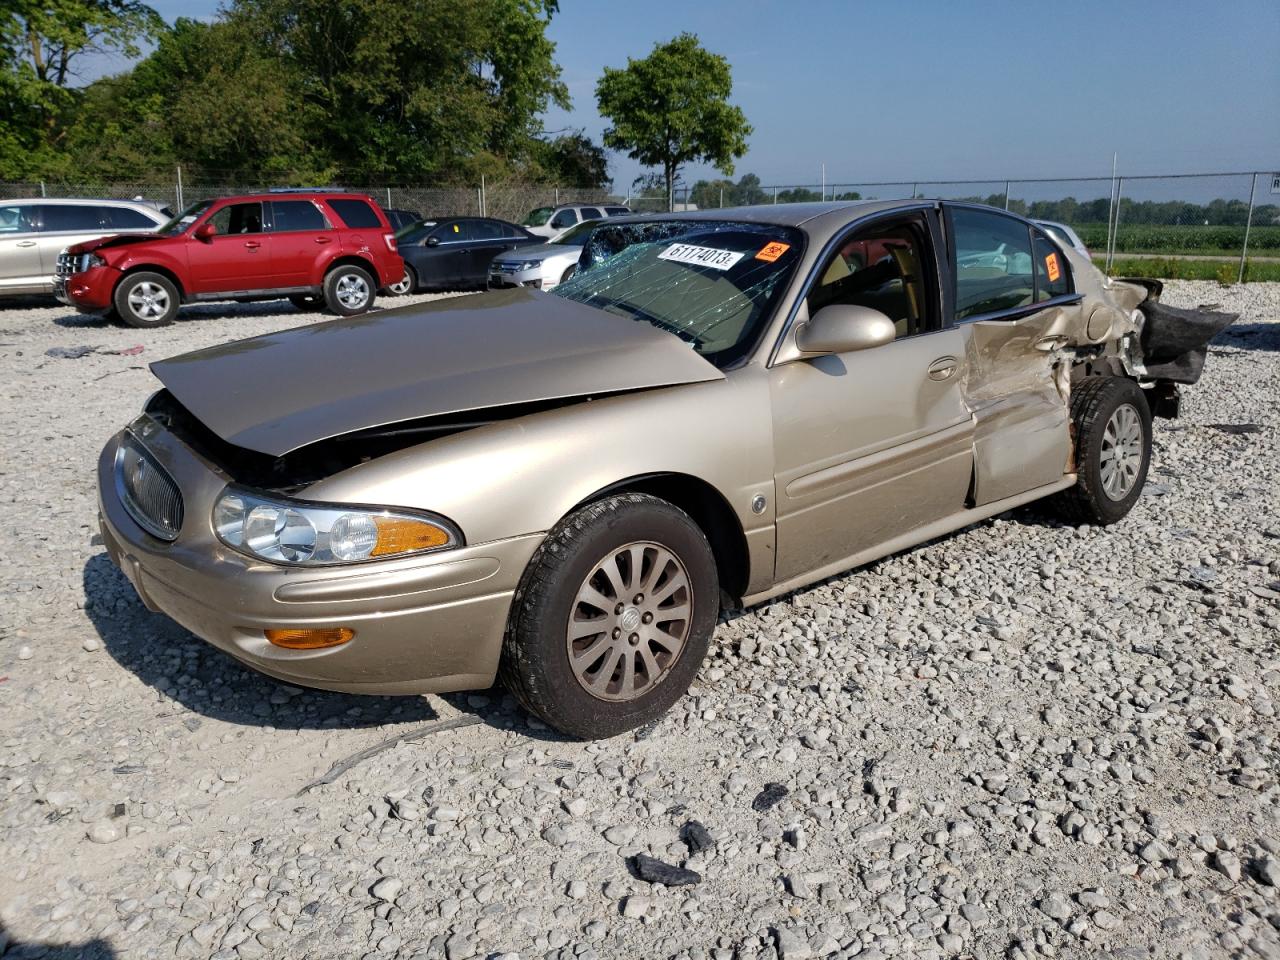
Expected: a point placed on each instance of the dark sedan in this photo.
(452, 253)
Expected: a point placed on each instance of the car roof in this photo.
(149, 204)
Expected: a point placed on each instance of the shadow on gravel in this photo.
(95, 949)
(1249, 336)
(492, 711)
(198, 677)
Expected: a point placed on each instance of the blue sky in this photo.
(950, 90)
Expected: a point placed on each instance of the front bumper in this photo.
(422, 625)
(89, 291)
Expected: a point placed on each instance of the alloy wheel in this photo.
(148, 301)
(1121, 458)
(352, 292)
(629, 621)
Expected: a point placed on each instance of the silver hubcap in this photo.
(629, 621)
(148, 300)
(352, 291)
(1121, 452)
(403, 285)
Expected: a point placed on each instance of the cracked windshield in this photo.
(711, 283)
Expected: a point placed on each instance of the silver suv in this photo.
(550, 222)
(33, 233)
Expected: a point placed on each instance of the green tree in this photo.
(574, 160)
(42, 43)
(672, 108)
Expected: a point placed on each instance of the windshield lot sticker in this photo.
(1051, 264)
(772, 251)
(700, 256)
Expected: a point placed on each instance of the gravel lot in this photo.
(1025, 740)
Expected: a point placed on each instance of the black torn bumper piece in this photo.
(1175, 341)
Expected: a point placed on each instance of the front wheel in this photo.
(1113, 450)
(612, 618)
(146, 300)
(348, 290)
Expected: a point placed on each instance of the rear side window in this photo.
(1053, 274)
(356, 214)
(67, 217)
(16, 219)
(992, 262)
(126, 218)
(513, 232)
(287, 215)
(616, 211)
(590, 213)
(565, 218)
(487, 230)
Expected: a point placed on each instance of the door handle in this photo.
(942, 368)
(324, 239)
(252, 244)
(26, 243)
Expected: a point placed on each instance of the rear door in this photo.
(20, 268)
(870, 445)
(1012, 299)
(488, 239)
(301, 240)
(237, 258)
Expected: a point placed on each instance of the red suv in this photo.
(316, 247)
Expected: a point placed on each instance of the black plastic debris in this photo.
(697, 837)
(652, 870)
(70, 353)
(1237, 429)
(772, 795)
(1175, 341)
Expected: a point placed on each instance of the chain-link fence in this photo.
(1230, 220)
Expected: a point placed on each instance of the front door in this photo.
(20, 269)
(1013, 300)
(236, 258)
(873, 444)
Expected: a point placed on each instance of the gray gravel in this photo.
(1026, 740)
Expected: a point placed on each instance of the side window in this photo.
(616, 211)
(17, 219)
(486, 230)
(512, 232)
(565, 218)
(67, 217)
(1053, 273)
(454, 231)
(590, 213)
(289, 215)
(238, 218)
(126, 218)
(356, 214)
(885, 267)
(992, 262)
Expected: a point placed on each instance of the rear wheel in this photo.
(1113, 450)
(146, 300)
(613, 617)
(348, 290)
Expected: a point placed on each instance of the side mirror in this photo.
(842, 327)
(206, 231)
(433, 241)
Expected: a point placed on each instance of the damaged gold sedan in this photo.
(562, 490)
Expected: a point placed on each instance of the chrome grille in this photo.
(508, 266)
(66, 265)
(147, 491)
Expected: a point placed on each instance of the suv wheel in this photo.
(146, 300)
(348, 290)
(1113, 450)
(613, 617)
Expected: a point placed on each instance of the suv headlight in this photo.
(88, 261)
(299, 533)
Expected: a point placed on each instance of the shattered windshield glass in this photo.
(712, 283)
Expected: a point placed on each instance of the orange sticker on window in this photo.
(1051, 264)
(772, 251)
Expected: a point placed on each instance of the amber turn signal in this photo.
(309, 639)
(403, 535)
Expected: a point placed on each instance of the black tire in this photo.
(146, 300)
(569, 271)
(535, 663)
(1093, 404)
(407, 284)
(341, 285)
(306, 302)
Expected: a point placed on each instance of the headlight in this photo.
(88, 261)
(298, 533)
(530, 264)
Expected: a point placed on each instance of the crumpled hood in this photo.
(278, 392)
(117, 240)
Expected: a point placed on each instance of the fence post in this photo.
(388, 196)
(1253, 187)
(1115, 234)
(915, 188)
(483, 198)
(722, 198)
(558, 196)
(1006, 194)
(181, 206)
(42, 193)
(775, 196)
